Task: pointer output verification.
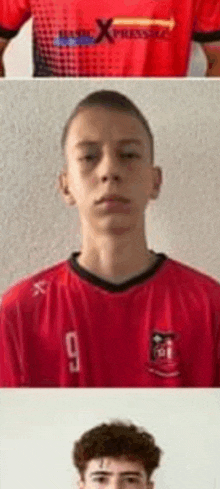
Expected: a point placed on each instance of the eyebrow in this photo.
(105, 472)
(82, 144)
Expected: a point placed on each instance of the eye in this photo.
(99, 478)
(129, 155)
(132, 480)
(89, 157)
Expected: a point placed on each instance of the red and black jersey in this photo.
(65, 327)
(105, 38)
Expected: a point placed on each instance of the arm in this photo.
(3, 45)
(11, 358)
(212, 52)
(13, 14)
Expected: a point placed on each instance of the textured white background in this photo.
(18, 57)
(38, 428)
(38, 230)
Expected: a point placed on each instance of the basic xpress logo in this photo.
(118, 28)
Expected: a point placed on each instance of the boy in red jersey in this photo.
(116, 314)
(120, 39)
(116, 455)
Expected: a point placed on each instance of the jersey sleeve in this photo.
(11, 361)
(207, 21)
(216, 337)
(217, 379)
(13, 14)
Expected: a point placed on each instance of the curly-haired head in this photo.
(117, 439)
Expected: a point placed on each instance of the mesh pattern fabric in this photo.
(112, 38)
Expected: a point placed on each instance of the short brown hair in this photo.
(117, 439)
(109, 99)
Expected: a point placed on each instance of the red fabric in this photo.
(14, 13)
(160, 48)
(207, 16)
(59, 328)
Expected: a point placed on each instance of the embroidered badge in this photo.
(164, 354)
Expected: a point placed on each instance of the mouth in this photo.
(114, 199)
(116, 205)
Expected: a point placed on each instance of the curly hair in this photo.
(117, 439)
(109, 99)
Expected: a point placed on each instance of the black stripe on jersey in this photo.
(206, 36)
(7, 34)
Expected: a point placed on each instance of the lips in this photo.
(115, 206)
(114, 199)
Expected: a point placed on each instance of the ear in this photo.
(81, 484)
(150, 485)
(62, 186)
(157, 182)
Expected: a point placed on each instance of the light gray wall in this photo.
(37, 436)
(18, 57)
(38, 230)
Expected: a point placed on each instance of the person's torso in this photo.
(111, 38)
(157, 333)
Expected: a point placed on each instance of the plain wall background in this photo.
(39, 230)
(18, 57)
(38, 428)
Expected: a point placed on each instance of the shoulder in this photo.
(33, 285)
(194, 279)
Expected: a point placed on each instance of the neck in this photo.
(116, 260)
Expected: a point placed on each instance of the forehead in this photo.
(114, 465)
(100, 123)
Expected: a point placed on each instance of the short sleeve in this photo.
(11, 364)
(13, 14)
(207, 21)
(217, 382)
(216, 336)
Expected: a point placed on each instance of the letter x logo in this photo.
(104, 26)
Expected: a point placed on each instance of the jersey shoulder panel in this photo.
(207, 21)
(13, 14)
(195, 279)
(35, 284)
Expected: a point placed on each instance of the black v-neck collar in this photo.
(82, 272)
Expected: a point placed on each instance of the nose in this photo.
(115, 484)
(109, 158)
(110, 166)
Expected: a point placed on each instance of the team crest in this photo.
(164, 354)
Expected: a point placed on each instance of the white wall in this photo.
(18, 57)
(38, 230)
(38, 428)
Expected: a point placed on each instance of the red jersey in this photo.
(65, 327)
(111, 37)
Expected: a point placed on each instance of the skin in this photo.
(108, 151)
(211, 50)
(3, 45)
(110, 473)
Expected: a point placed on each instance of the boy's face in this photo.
(108, 151)
(118, 473)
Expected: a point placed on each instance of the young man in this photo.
(136, 38)
(116, 455)
(116, 314)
